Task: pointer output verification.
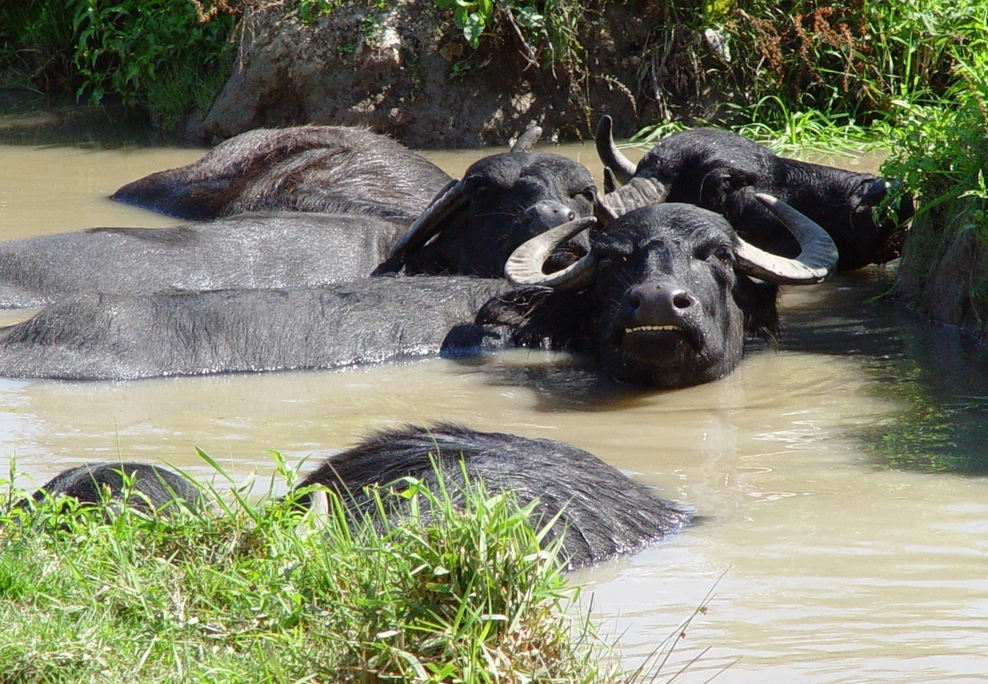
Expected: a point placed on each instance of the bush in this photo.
(939, 153)
(849, 61)
(167, 56)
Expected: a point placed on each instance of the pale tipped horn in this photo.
(318, 515)
(636, 193)
(608, 152)
(526, 141)
(449, 200)
(817, 257)
(524, 266)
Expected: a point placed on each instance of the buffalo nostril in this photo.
(681, 300)
(634, 301)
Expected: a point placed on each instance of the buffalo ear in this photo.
(723, 182)
(171, 193)
(738, 179)
(873, 191)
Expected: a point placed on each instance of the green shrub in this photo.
(165, 55)
(547, 29)
(36, 41)
(938, 152)
(849, 64)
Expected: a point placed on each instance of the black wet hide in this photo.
(601, 512)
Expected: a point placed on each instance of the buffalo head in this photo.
(668, 289)
(475, 223)
(722, 171)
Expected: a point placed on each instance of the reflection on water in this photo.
(29, 118)
(938, 376)
(835, 567)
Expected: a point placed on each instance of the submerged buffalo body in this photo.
(721, 171)
(473, 226)
(330, 169)
(140, 485)
(470, 228)
(601, 512)
(283, 250)
(663, 299)
(298, 207)
(110, 337)
(594, 511)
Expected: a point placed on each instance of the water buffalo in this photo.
(112, 337)
(501, 202)
(663, 298)
(595, 512)
(721, 171)
(148, 487)
(601, 513)
(332, 169)
(474, 225)
(284, 249)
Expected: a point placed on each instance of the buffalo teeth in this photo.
(647, 328)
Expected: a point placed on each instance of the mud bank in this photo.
(407, 71)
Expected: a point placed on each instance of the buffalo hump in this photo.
(143, 486)
(301, 168)
(601, 512)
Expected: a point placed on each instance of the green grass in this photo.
(831, 74)
(938, 151)
(795, 132)
(257, 592)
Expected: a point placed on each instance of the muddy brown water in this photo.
(823, 564)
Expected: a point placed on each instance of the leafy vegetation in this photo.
(857, 57)
(827, 68)
(261, 593)
(939, 153)
(167, 56)
(819, 72)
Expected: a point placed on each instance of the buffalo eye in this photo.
(478, 187)
(873, 190)
(719, 252)
(605, 262)
(589, 194)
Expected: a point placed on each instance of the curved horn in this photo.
(610, 182)
(608, 152)
(817, 257)
(449, 200)
(524, 266)
(526, 141)
(638, 192)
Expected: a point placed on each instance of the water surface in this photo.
(833, 566)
